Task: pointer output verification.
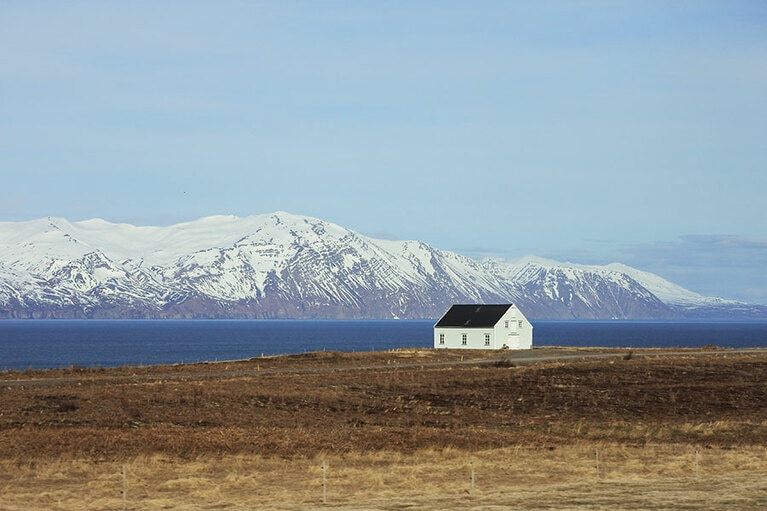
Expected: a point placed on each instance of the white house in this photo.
(484, 327)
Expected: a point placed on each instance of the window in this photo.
(442, 338)
(506, 324)
(520, 323)
(464, 338)
(487, 339)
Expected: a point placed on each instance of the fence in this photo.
(449, 478)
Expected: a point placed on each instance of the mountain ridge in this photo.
(281, 265)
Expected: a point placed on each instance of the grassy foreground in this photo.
(414, 429)
(657, 477)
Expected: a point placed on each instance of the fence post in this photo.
(597, 462)
(697, 463)
(471, 466)
(125, 488)
(324, 482)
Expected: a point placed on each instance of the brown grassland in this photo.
(406, 429)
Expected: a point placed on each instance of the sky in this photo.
(582, 131)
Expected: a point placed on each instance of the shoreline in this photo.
(537, 354)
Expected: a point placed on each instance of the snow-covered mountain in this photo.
(287, 266)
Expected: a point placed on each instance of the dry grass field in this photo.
(408, 429)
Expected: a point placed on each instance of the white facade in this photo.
(511, 331)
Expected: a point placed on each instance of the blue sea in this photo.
(107, 343)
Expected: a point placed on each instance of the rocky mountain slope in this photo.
(287, 266)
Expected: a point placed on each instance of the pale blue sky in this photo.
(590, 132)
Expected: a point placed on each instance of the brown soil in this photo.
(402, 401)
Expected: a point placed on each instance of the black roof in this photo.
(473, 316)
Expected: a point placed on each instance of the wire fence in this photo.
(440, 478)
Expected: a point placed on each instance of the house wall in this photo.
(512, 331)
(453, 337)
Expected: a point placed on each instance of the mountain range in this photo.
(282, 265)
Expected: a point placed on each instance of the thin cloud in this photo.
(729, 266)
(719, 241)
